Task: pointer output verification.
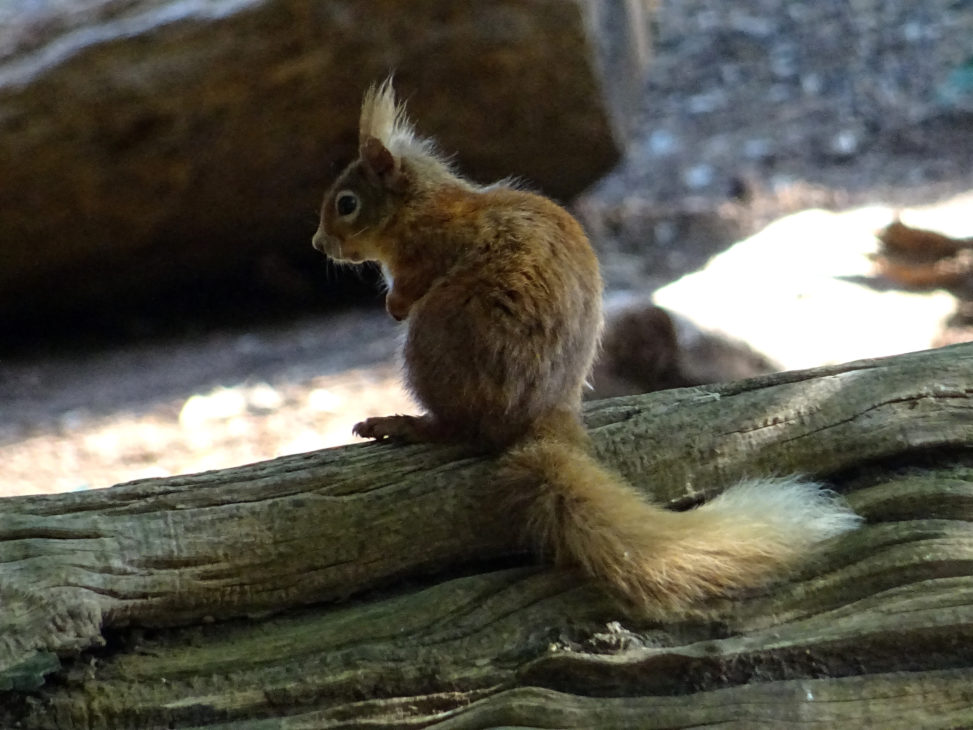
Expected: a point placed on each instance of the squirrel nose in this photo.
(320, 240)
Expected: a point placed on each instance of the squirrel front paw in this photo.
(411, 429)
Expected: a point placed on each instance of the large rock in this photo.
(159, 141)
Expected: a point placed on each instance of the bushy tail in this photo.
(657, 560)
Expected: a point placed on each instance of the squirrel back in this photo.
(502, 294)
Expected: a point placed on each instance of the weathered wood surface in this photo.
(450, 624)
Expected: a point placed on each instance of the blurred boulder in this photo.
(150, 143)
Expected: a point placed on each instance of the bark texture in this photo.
(214, 600)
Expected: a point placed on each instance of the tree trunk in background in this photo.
(212, 600)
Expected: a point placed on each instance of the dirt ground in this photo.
(79, 420)
(751, 111)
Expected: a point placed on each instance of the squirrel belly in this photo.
(501, 293)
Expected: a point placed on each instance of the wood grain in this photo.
(214, 600)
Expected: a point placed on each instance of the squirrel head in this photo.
(395, 169)
(359, 204)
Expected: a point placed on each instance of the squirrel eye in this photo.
(346, 203)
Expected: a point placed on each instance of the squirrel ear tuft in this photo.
(380, 165)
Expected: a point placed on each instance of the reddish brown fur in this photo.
(502, 293)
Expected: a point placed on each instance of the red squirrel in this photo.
(502, 293)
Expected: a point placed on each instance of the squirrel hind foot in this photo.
(410, 429)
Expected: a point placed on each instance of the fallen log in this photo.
(383, 585)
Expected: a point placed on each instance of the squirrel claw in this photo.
(403, 428)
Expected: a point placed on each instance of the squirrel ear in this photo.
(380, 165)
